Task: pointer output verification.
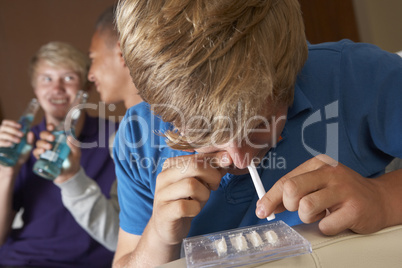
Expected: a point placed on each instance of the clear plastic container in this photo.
(248, 245)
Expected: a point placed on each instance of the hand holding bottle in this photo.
(14, 140)
(10, 136)
(50, 162)
(73, 161)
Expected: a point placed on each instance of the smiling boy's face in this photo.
(55, 89)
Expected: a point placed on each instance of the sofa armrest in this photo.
(347, 249)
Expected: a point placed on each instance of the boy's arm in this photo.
(143, 251)
(7, 214)
(96, 214)
(10, 133)
(82, 196)
(182, 189)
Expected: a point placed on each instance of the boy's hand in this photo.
(44, 143)
(10, 133)
(182, 189)
(323, 189)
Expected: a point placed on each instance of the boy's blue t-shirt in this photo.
(348, 105)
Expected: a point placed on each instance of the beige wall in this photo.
(380, 23)
(25, 25)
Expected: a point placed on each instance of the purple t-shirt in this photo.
(50, 236)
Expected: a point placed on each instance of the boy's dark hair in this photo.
(106, 25)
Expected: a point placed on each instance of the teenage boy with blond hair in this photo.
(50, 235)
(230, 82)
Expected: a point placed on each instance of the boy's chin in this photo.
(236, 171)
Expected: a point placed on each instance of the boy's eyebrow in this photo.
(213, 150)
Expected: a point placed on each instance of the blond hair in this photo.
(212, 65)
(59, 54)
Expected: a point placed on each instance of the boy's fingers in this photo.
(7, 138)
(335, 222)
(311, 165)
(30, 138)
(10, 132)
(50, 127)
(273, 199)
(207, 168)
(46, 135)
(214, 160)
(37, 152)
(6, 124)
(43, 144)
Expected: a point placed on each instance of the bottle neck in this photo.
(72, 126)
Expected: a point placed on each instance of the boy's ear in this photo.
(118, 49)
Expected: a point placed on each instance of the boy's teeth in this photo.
(58, 101)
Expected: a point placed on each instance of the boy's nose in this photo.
(241, 156)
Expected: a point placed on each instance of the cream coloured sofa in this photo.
(347, 249)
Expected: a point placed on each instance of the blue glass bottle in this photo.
(51, 162)
(9, 155)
